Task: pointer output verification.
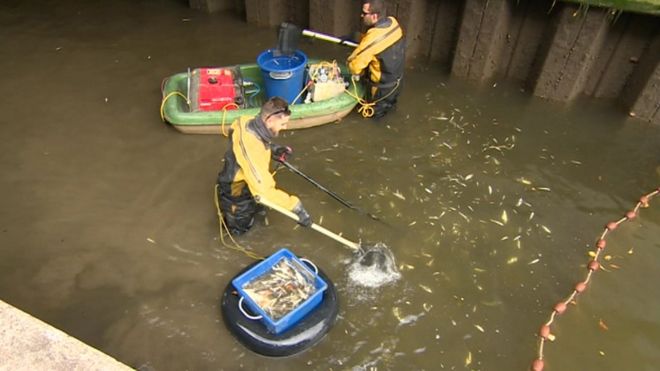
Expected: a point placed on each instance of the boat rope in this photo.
(224, 114)
(593, 265)
(223, 228)
(309, 83)
(162, 104)
(367, 108)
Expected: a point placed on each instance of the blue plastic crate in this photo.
(298, 313)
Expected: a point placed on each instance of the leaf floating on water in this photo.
(426, 288)
(602, 325)
(399, 195)
(441, 118)
(405, 266)
(592, 254)
(490, 190)
(545, 189)
(520, 202)
(512, 260)
(534, 261)
(468, 359)
(546, 229)
(492, 303)
(150, 240)
(524, 181)
(412, 223)
(479, 328)
(427, 307)
(504, 217)
(497, 222)
(396, 311)
(464, 216)
(468, 177)
(531, 215)
(630, 252)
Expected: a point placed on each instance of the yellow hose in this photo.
(162, 104)
(223, 228)
(224, 114)
(367, 108)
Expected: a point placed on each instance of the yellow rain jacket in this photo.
(381, 49)
(250, 163)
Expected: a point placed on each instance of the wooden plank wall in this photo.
(554, 50)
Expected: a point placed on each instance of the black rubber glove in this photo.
(304, 218)
(279, 153)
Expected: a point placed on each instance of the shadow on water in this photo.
(492, 199)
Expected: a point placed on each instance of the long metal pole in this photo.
(350, 244)
(329, 192)
(324, 37)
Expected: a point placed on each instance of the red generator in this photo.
(215, 89)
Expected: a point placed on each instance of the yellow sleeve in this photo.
(254, 160)
(360, 58)
(373, 43)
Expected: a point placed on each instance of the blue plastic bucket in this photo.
(296, 315)
(283, 75)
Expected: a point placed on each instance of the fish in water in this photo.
(282, 288)
(379, 257)
(374, 266)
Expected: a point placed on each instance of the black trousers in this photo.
(383, 106)
(237, 212)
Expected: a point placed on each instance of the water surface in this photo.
(490, 201)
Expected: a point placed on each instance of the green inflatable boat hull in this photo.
(175, 108)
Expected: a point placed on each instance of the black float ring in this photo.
(254, 335)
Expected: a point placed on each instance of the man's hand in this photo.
(304, 218)
(279, 153)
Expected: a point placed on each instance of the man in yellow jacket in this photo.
(246, 172)
(381, 52)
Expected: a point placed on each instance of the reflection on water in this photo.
(491, 200)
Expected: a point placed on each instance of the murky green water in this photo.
(490, 200)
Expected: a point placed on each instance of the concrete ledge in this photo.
(27, 343)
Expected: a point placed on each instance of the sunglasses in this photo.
(285, 110)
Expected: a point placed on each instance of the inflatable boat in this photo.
(208, 100)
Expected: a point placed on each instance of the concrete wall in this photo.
(27, 343)
(556, 50)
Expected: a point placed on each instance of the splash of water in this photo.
(375, 267)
